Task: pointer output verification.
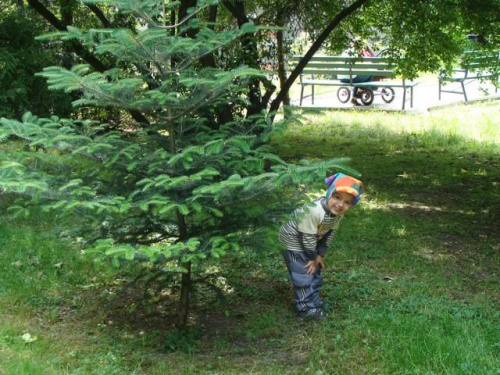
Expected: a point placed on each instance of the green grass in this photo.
(411, 283)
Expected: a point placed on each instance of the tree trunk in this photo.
(250, 55)
(224, 112)
(66, 9)
(182, 14)
(20, 7)
(281, 59)
(184, 298)
(183, 312)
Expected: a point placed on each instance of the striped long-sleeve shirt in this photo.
(310, 230)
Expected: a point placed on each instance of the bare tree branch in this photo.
(99, 14)
(76, 46)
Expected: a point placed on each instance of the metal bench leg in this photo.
(404, 97)
(301, 95)
(411, 97)
(312, 96)
(439, 90)
(463, 89)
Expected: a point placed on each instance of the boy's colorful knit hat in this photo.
(340, 182)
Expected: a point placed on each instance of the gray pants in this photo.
(306, 287)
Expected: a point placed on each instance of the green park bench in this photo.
(326, 70)
(473, 66)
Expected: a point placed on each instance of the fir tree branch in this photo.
(152, 22)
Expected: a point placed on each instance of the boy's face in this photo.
(340, 203)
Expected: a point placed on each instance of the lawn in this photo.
(411, 285)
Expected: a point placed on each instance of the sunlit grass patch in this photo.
(474, 127)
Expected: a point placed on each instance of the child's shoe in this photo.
(312, 314)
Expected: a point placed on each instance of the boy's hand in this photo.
(311, 267)
(312, 264)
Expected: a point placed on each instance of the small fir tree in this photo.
(182, 188)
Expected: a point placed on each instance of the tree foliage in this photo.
(423, 35)
(179, 191)
(21, 56)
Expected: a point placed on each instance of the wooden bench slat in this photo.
(345, 59)
(482, 60)
(479, 66)
(324, 82)
(354, 72)
(386, 84)
(351, 66)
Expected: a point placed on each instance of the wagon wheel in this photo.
(367, 96)
(387, 94)
(343, 94)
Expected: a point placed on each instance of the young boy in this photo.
(307, 236)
